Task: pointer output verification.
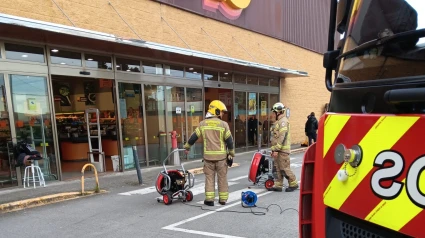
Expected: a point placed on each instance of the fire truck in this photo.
(364, 176)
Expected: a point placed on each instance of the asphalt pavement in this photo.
(130, 210)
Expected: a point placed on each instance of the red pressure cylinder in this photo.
(173, 139)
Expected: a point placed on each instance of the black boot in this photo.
(209, 203)
(222, 203)
(291, 188)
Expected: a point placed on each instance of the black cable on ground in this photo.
(250, 212)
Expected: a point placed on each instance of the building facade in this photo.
(148, 68)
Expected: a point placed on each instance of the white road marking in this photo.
(238, 178)
(173, 227)
(200, 189)
(236, 195)
(152, 189)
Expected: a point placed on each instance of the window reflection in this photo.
(263, 81)
(238, 78)
(65, 57)
(174, 71)
(274, 82)
(252, 80)
(193, 73)
(194, 107)
(210, 75)
(128, 65)
(98, 61)
(152, 68)
(240, 120)
(24, 53)
(225, 77)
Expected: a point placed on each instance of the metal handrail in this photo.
(172, 152)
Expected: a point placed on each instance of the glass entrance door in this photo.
(263, 124)
(32, 118)
(176, 116)
(253, 122)
(194, 109)
(132, 123)
(240, 121)
(7, 160)
(155, 123)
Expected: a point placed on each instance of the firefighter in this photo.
(216, 136)
(281, 147)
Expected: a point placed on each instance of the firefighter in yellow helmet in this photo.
(216, 136)
(281, 147)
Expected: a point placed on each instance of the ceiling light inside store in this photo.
(63, 63)
(117, 66)
(24, 56)
(89, 59)
(55, 50)
(195, 72)
(190, 68)
(226, 73)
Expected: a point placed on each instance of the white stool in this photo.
(37, 175)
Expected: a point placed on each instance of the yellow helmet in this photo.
(216, 107)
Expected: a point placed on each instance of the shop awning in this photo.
(50, 33)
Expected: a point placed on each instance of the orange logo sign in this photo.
(231, 9)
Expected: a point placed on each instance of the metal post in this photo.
(259, 141)
(136, 161)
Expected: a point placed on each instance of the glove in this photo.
(187, 148)
(229, 161)
(232, 153)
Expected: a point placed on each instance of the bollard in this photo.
(259, 141)
(136, 161)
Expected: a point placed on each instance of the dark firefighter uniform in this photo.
(281, 145)
(217, 140)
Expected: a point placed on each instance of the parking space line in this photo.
(173, 227)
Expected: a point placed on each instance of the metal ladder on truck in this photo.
(100, 166)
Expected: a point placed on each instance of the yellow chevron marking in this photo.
(396, 213)
(332, 128)
(382, 136)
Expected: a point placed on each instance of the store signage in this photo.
(231, 9)
(178, 110)
(82, 99)
(105, 83)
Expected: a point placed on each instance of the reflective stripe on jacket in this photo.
(280, 135)
(216, 136)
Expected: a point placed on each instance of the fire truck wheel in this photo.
(269, 184)
(167, 198)
(189, 196)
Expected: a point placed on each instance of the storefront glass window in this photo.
(152, 68)
(24, 53)
(98, 61)
(252, 80)
(174, 71)
(128, 65)
(210, 75)
(263, 81)
(7, 162)
(176, 119)
(65, 57)
(274, 82)
(225, 77)
(132, 124)
(72, 96)
(193, 73)
(263, 125)
(31, 108)
(238, 78)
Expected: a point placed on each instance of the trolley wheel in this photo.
(167, 198)
(189, 196)
(269, 184)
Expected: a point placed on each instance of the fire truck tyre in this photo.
(269, 184)
(189, 196)
(167, 198)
